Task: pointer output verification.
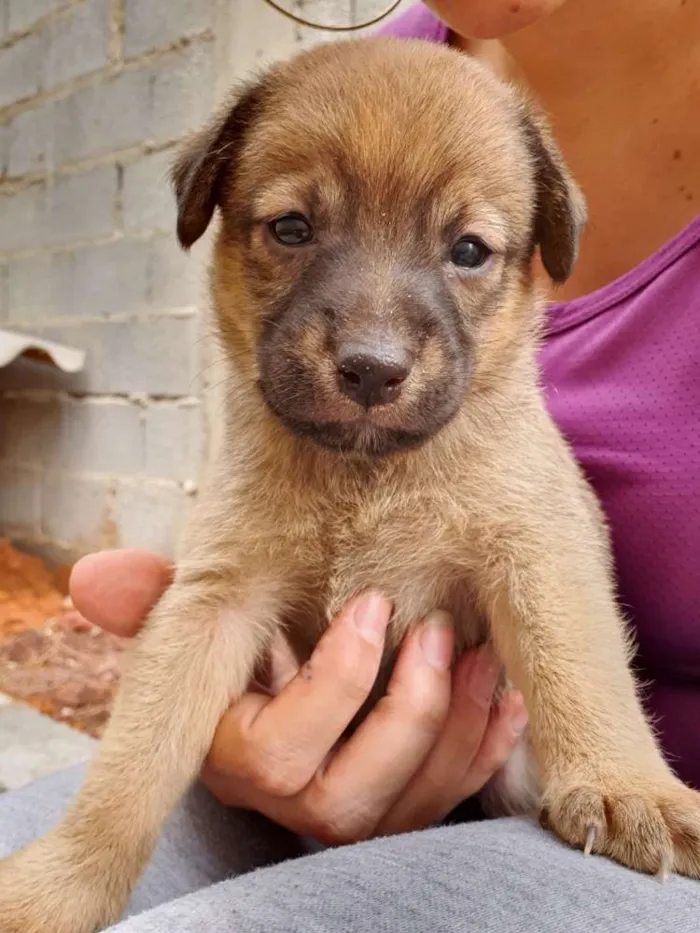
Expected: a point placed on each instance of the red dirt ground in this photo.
(50, 656)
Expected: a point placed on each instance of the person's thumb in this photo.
(117, 589)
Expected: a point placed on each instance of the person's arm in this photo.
(433, 740)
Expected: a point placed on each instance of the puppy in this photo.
(381, 204)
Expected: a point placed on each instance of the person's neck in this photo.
(618, 80)
(586, 40)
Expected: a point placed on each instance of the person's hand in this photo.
(431, 741)
(490, 19)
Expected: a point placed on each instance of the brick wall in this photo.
(94, 95)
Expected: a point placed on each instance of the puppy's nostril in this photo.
(370, 379)
(350, 377)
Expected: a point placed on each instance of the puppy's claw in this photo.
(666, 867)
(590, 840)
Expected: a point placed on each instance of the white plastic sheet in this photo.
(14, 345)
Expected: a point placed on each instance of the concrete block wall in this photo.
(94, 95)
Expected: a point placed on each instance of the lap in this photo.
(504, 876)
(501, 876)
(202, 843)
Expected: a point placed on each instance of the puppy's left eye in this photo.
(291, 230)
(470, 252)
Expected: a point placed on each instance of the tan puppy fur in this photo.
(456, 492)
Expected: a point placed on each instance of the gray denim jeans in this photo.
(224, 871)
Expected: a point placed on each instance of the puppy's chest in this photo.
(416, 553)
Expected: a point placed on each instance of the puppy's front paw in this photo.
(44, 889)
(652, 827)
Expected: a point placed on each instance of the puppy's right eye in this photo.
(291, 230)
(470, 253)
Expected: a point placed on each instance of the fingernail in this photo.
(483, 677)
(437, 641)
(370, 615)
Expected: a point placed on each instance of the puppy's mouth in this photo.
(368, 432)
(361, 437)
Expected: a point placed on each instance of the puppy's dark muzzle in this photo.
(372, 375)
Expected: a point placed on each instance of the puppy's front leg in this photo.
(606, 787)
(193, 655)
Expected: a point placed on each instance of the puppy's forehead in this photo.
(391, 119)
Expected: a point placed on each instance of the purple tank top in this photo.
(621, 371)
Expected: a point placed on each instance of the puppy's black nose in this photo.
(372, 375)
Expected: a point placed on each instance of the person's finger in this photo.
(506, 725)
(438, 786)
(117, 589)
(232, 791)
(347, 797)
(278, 744)
(350, 795)
(431, 801)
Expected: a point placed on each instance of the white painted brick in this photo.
(150, 516)
(21, 69)
(183, 91)
(30, 140)
(158, 356)
(152, 23)
(76, 510)
(81, 206)
(331, 12)
(20, 497)
(21, 218)
(154, 104)
(328, 12)
(99, 436)
(76, 207)
(176, 279)
(103, 117)
(76, 435)
(174, 441)
(147, 198)
(77, 42)
(34, 287)
(22, 13)
(108, 279)
(143, 450)
(124, 276)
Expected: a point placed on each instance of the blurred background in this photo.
(104, 362)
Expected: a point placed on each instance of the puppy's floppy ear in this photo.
(206, 158)
(560, 210)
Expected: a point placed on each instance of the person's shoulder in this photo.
(416, 23)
